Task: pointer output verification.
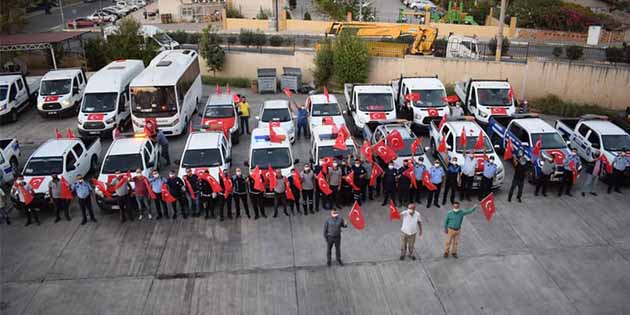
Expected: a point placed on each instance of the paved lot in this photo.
(544, 256)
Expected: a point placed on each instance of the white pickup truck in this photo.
(590, 133)
(430, 98)
(485, 98)
(65, 157)
(368, 102)
(17, 93)
(9, 160)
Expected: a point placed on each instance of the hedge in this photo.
(222, 81)
(553, 105)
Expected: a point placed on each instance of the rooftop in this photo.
(130, 145)
(37, 38)
(61, 74)
(203, 140)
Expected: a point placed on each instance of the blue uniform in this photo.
(574, 158)
(302, 116)
(418, 170)
(156, 184)
(489, 169)
(437, 173)
(82, 190)
(620, 162)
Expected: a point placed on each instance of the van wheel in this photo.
(15, 166)
(94, 164)
(14, 115)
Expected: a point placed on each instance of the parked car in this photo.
(9, 155)
(102, 16)
(81, 22)
(17, 93)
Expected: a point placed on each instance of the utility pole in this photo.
(63, 20)
(500, 34)
(360, 10)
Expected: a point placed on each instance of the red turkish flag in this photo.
(537, 147)
(480, 144)
(66, 193)
(328, 121)
(288, 190)
(511, 94)
(607, 165)
(409, 172)
(70, 134)
(412, 97)
(214, 183)
(166, 194)
(258, 182)
(297, 180)
(442, 121)
(35, 182)
(96, 117)
(433, 112)
(395, 140)
(376, 172)
(356, 216)
(102, 188)
(415, 144)
(58, 134)
(426, 181)
(393, 212)
(227, 183)
(189, 188)
(287, 92)
(150, 126)
(508, 150)
(217, 89)
(27, 194)
(378, 116)
(328, 162)
(451, 99)
(323, 184)
(274, 137)
(487, 205)
(574, 170)
(236, 99)
(442, 146)
(148, 186)
(344, 131)
(350, 180)
(270, 175)
(326, 94)
(367, 151)
(463, 142)
(340, 143)
(384, 152)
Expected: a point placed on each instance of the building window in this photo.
(188, 11)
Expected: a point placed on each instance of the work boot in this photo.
(340, 262)
(445, 255)
(402, 257)
(454, 255)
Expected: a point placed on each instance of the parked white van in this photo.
(60, 92)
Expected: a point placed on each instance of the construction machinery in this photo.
(415, 39)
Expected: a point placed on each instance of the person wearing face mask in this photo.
(302, 121)
(191, 182)
(156, 182)
(332, 235)
(294, 205)
(308, 178)
(279, 193)
(360, 180)
(593, 170)
(207, 201)
(319, 195)
(17, 191)
(436, 174)
(243, 109)
(453, 178)
(60, 204)
(489, 173)
(520, 171)
(334, 180)
(141, 193)
(223, 201)
(345, 192)
(239, 194)
(452, 225)
(389, 184)
(543, 169)
(404, 185)
(621, 165)
(176, 188)
(411, 225)
(419, 169)
(83, 190)
(566, 183)
(122, 196)
(468, 175)
(257, 199)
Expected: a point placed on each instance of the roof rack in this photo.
(593, 117)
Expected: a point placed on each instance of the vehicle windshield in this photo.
(430, 98)
(223, 111)
(123, 163)
(202, 158)
(616, 142)
(276, 157)
(99, 102)
(4, 90)
(325, 109)
(44, 166)
(162, 38)
(55, 87)
(276, 114)
(549, 140)
(154, 101)
(375, 102)
(407, 150)
(330, 151)
(494, 97)
(470, 145)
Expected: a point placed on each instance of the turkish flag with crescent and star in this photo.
(479, 145)
(376, 172)
(288, 190)
(270, 175)
(26, 194)
(393, 212)
(487, 205)
(414, 145)
(537, 147)
(378, 116)
(409, 172)
(384, 152)
(395, 140)
(258, 182)
(35, 182)
(66, 192)
(426, 181)
(356, 216)
(96, 117)
(102, 188)
(340, 142)
(297, 181)
(442, 121)
(323, 184)
(166, 194)
(273, 136)
(442, 147)
(462, 139)
(350, 180)
(367, 151)
(508, 150)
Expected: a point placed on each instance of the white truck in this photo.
(592, 133)
(485, 98)
(64, 157)
(106, 101)
(9, 160)
(323, 142)
(61, 92)
(17, 93)
(206, 150)
(127, 153)
(452, 130)
(427, 98)
(160, 37)
(323, 110)
(377, 131)
(368, 102)
(264, 153)
(464, 47)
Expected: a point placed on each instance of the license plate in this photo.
(115, 207)
(52, 113)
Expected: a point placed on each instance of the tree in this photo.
(557, 51)
(324, 62)
(338, 9)
(351, 59)
(505, 47)
(95, 56)
(128, 43)
(12, 15)
(574, 52)
(210, 49)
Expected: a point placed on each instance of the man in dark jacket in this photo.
(176, 188)
(389, 183)
(191, 181)
(295, 204)
(257, 199)
(453, 177)
(332, 235)
(404, 186)
(520, 170)
(207, 197)
(239, 182)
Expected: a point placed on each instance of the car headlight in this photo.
(111, 120)
(65, 102)
(3, 106)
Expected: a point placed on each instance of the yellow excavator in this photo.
(418, 38)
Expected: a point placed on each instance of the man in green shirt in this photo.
(452, 224)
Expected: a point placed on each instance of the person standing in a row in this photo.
(280, 196)
(18, 191)
(122, 196)
(405, 195)
(620, 164)
(295, 204)
(334, 181)
(308, 179)
(192, 189)
(207, 197)
(240, 192)
(520, 171)
(453, 178)
(543, 169)
(83, 190)
(141, 193)
(176, 188)
(257, 199)
(436, 174)
(566, 182)
(487, 178)
(468, 175)
(452, 225)
(419, 169)
(592, 170)
(156, 182)
(389, 183)
(60, 204)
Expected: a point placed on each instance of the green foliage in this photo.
(232, 12)
(252, 38)
(351, 59)
(574, 52)
(557, 51)
(263, 14)
(338, 9)
(553, 105)
(233, 82)
(127, 43)
(557, 15)
(618, 54)
(232, 40)
(259, 38)
(324, 63)
(276, 40)
(479, 11)
(185, 37)
(307, 16)
(210, 49)
(12, 16)
(505, 47)
(95, 56)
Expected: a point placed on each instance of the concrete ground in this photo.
(567, 255)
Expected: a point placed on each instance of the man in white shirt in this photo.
(411, 225)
